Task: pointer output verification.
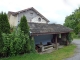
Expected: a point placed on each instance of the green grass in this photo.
(59, 54)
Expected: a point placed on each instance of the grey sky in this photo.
(54, 10)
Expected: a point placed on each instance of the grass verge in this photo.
(59, 54)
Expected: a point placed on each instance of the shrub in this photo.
(16, 43)
(32, 45)
(69, 37)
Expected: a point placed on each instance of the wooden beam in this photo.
(53, 39)
(56, 42)
(67, 42)
(33, 34)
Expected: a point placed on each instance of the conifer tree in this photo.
(24, 25)
(25, 28)
(1, 43)
(4, 24)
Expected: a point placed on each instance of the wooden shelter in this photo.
(49, 35)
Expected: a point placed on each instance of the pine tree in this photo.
(4, 24)
(24, 25)
(1, 43)
(25, 28)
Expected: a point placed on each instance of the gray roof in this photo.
(41, 28)
(15, 13)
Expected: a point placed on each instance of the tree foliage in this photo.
(4, 24)
(32, 45)
(69, 37)
(25, 28)
(4, 28)
(24, 25)
(73, 21)
(16, 42)
(1, 43)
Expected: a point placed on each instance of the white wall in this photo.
(13, 20)
(35, 19)
(31, 18)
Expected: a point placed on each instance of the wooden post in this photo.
(67, 42)
(56, 42)
(53, 39)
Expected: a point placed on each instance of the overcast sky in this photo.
(53, 10)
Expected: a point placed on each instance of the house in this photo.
(31, 14)
(45, 35)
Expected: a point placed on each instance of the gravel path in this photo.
(77, 55)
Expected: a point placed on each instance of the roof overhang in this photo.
(47, 33)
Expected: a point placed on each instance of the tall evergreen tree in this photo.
(25, 28)
(1, 43)
(24, 25)
(4, 24)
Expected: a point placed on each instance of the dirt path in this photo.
(77, 55)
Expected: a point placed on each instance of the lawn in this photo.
(59, 54)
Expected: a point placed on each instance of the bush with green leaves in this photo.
(69, 37)
(32, 45)
(16, 43)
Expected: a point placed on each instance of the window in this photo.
(31, 14)
(39, 19)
